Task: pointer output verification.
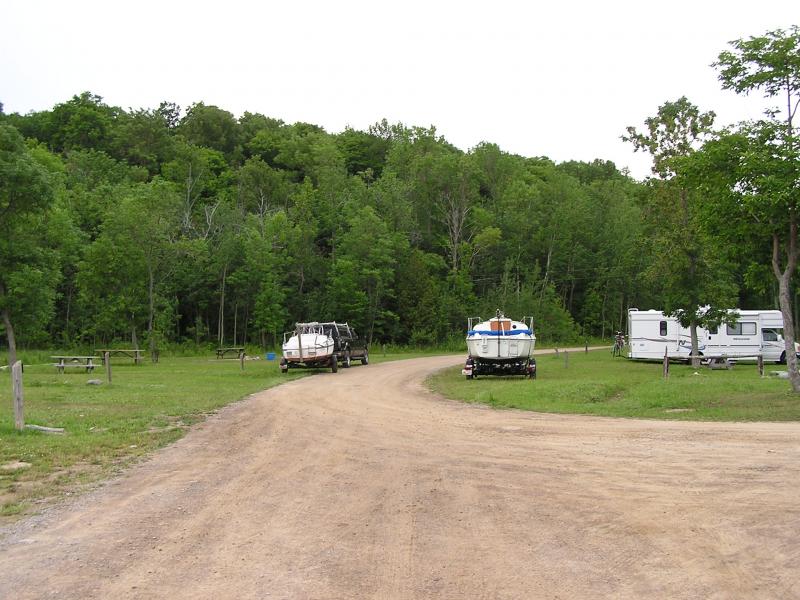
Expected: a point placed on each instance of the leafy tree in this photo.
(687, 267)
(420, 292)
(85, 121)
(143, 138)
(767, 176)
(128, 268)
(211, 127)
(262, 190)
(203, 177)
(364, 153)
(28, 269)
(363, 274)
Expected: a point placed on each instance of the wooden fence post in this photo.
(566, 359)
(241, 359)
(585, 346)
(666, 364)
(107, 360)
(761, 365)
(19, 402)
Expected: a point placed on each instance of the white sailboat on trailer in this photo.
(500, 346)
(308, 346)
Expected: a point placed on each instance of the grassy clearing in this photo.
(107, 426)
(597, 384)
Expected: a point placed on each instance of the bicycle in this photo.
(619, 344)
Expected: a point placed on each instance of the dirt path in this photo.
(361, 484)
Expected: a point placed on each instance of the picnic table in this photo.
(237, 350)
(70, 361)
(133, 353)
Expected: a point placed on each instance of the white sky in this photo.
(536, 78)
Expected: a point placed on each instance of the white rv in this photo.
(756, 332)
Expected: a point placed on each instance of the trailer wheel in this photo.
(346, 363)
(334, 364)
(365, 358)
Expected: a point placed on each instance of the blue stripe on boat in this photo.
(501, 333)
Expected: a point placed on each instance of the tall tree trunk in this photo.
(547, 269)
(151, 310)
(235, 321)
(246, 322)
(67, 337)
(695, 350)
(12, 340)
(221, 320)
(784, 278)
(603, 313)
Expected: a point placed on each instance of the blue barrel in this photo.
(270, 356)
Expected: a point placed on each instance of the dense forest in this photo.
(164, 226)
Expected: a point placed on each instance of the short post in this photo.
(586, 346)
(107, 360)
(666, 364)
(241, 359)
(566, 359)
(19, 403)
(384, 349)
(761, 365)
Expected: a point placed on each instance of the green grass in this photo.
(107, 426)
(597, 384)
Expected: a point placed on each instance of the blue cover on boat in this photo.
(501, 333)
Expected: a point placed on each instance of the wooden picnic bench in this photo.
(238, 351)
(133, 353)
(78, 362)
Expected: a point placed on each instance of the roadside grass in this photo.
(597, 384)
(108, 426)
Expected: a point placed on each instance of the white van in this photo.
(756, 332)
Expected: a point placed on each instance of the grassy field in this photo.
(597, 384)
(108, 426)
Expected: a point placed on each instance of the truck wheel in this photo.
(365, 358)
(782, 361)
(334, 364)
(346, 363)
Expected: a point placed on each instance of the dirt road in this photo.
(361, 484)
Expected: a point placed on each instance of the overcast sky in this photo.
(553, 79)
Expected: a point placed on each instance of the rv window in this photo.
(742, 329)
(769, 335)
(662, 328)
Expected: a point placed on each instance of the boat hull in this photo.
(308, 348)
(500, 348)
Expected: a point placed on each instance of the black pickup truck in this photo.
(347, 345)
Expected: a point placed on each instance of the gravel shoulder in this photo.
(362, 484)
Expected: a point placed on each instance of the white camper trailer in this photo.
(756, 332)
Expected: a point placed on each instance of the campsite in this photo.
(248, 354)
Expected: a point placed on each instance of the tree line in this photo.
(165, 226)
